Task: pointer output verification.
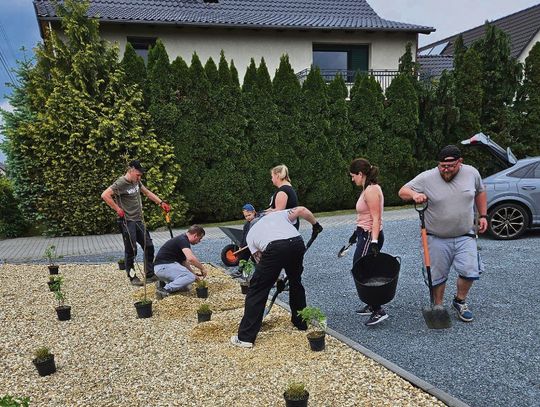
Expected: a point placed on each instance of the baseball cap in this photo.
(449, 153)
(248, 207)
(137, 165)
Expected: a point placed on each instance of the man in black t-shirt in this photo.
(175, 260)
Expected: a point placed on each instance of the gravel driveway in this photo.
(493, 361)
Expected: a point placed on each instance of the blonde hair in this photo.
(281, 171)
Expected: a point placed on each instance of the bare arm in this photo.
(302, 212)
(107, 196)
(150, 195)
(280, 202)
(480, 201)
(373, 201)
(409, 194)
(193, 261)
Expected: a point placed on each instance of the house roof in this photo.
(281, 14)
(434, 65)
(521, 27)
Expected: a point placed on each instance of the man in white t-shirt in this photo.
(275, 244)
(452, 191)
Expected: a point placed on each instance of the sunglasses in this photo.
(448, 166)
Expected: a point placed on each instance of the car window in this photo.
(536, 173)
(522, 172)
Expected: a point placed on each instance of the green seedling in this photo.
(204, 309)
(296, 391)
(42, 353)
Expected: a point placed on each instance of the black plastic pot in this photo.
(63, 312)
(202, 292)
(296, 403)
(121, 265)
(244, 287)
(144, 310)
(53, 269)
(376, 278)
(45, 367)
(316, 342)
(203, 317)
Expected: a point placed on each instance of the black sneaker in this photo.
(162, 293)
(376, 317)
(136, 281)
(365, 311)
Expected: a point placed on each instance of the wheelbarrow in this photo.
(229, 254)
(376, 278)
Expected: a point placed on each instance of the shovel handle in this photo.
(240, 250)
(427, 261)
(167, 217)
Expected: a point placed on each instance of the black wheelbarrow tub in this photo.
(234, 234)
(376, 278)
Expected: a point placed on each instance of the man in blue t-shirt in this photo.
(175, 260)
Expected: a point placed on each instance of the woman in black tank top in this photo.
(285, 197)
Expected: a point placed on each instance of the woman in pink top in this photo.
(368, 235)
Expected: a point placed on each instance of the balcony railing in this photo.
(383, 76)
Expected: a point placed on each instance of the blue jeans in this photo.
(175, 275)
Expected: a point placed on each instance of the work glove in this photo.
(165, 206)
(120, 212)
(373, 249)
(317, 228)
(352, 239)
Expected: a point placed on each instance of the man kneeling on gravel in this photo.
(275, 244)
(174, 263)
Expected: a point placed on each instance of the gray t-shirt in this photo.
(450, 211)
(274, 226)
(127, 196)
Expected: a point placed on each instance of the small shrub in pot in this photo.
(201, 287)
(63, 311)
(44, 361)
(296, 395)
(51, 256)
(204, 313)
(315, 317)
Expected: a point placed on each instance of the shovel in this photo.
(344, 250)
(436, 316)
(168, 220)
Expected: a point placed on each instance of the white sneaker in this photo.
(237, 342)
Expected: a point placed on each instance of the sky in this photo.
(18, 24)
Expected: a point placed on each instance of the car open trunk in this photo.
(505, 158)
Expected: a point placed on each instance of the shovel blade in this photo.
(437, 317)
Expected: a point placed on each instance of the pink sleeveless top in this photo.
(363, 216)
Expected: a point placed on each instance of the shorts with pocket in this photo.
(457, 253)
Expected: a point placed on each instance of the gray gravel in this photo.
(493, 361)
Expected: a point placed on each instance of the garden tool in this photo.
(436, 316)
(282, 284)
(344, 250)
(168, 220)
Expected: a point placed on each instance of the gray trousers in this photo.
(175, 275)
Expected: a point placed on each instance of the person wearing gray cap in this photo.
(452, 190)
(124, 196)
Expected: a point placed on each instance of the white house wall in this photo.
(385, 49)
(528, 48)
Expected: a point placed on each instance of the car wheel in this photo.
(508, 221)
(227, 256)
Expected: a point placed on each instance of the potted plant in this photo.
(296, 395)
(51, 255)
(44, 361)
(121, 264)
(10, 401)
(248, 268)
(63, 311)
(50, 283)
(201, 287)
(204, 313)
(144, 307)
(316, 318)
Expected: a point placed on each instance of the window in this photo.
(142, 45)
(523, 172)
(332, 59)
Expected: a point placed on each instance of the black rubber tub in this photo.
(376, 278)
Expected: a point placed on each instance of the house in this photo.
(335, 35)
(522, 27)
